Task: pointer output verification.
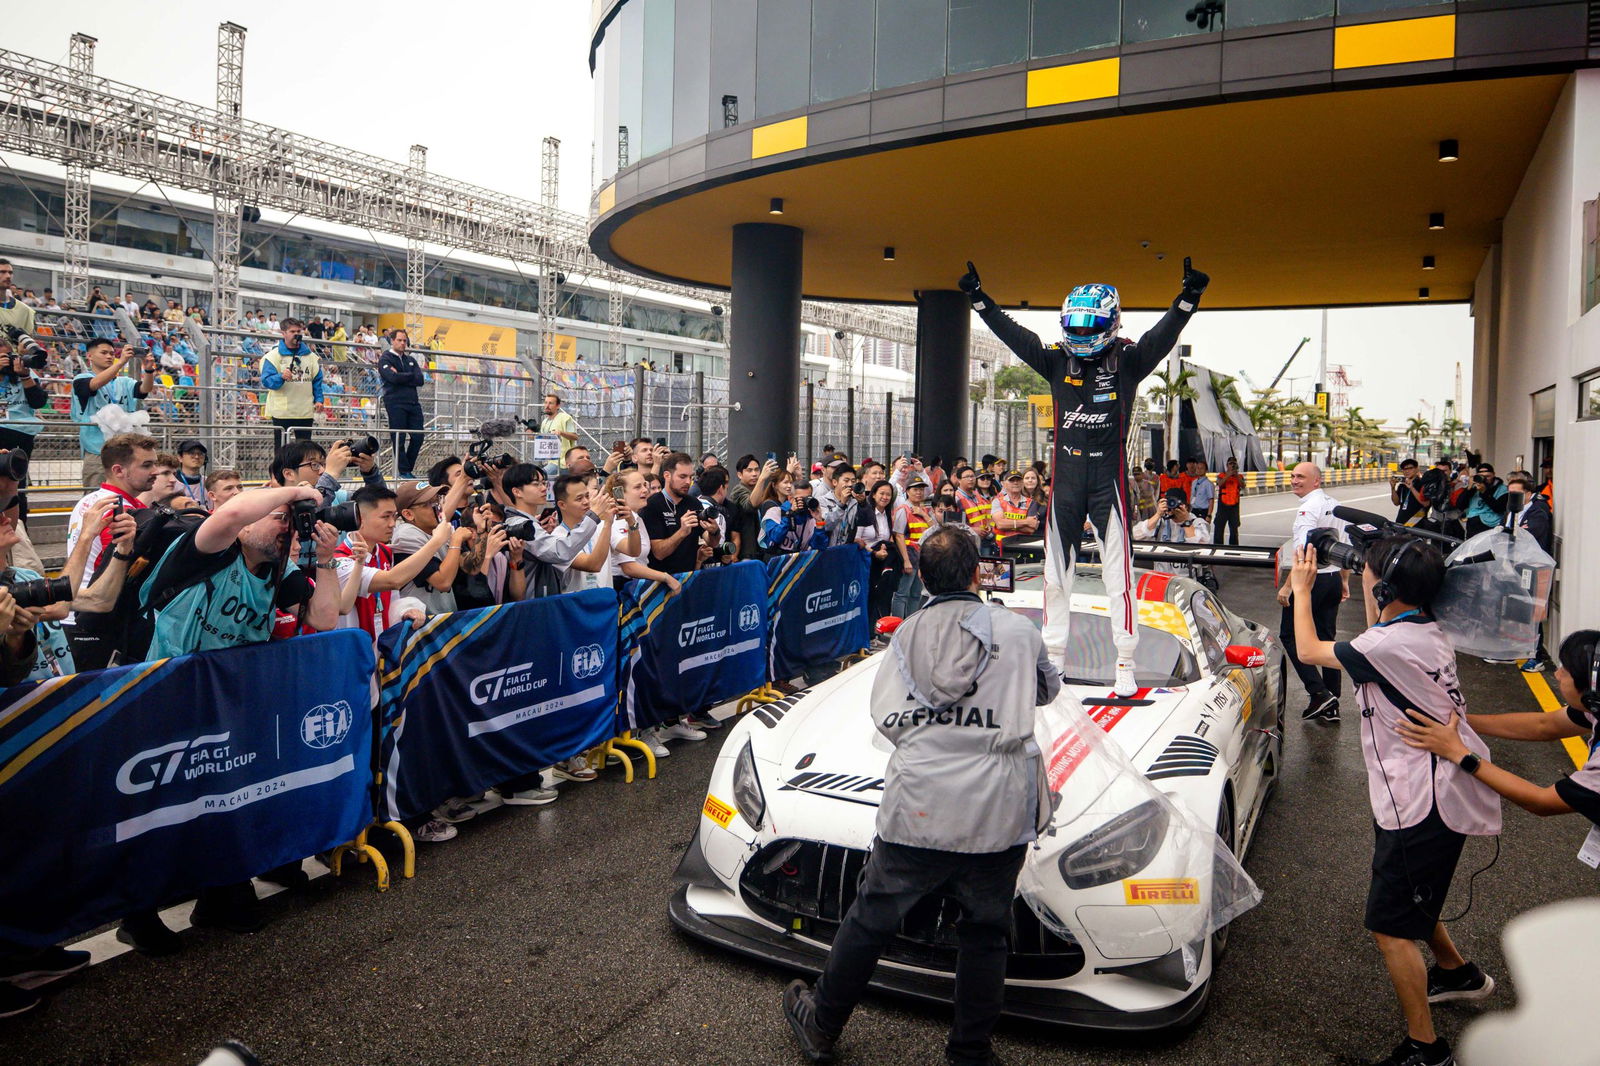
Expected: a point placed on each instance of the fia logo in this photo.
(853, 592)
(326, 724)
(588, 661)
(749, 617)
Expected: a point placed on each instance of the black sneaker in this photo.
(30, 970)
(231, 907)
(1464, 982)
(1321, 709)
(1411, 1053)
(148, 935)
(800, 1007)
(290, 875)
(14, 1000)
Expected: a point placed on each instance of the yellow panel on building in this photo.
(1401, 41)
(1074, 82)
(566, 348)
(454, 335)
(778, 137)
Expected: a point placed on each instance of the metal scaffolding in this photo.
(68, 115)
(550, 276)
(75, 226)
(227, 190)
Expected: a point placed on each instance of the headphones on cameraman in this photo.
(1384, 593)
(1591, 695)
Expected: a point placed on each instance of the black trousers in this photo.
(895, 879)
(1325, 595)
(405, 423)
(1227, 515)
(299, 428)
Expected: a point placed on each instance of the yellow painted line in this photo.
(1550, 703)
(778, 137)
(1074, 82)
(1401, 41)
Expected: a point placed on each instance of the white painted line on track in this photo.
(1352, 499)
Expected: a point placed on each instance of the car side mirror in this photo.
(1245, 655)
(888, 624)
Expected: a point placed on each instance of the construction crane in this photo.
(1285, 368)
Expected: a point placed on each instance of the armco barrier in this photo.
(129, 788)
(689, 651)
(473, 698)
(816, 608)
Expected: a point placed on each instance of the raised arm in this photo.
(1154, 346)
(1020, 339)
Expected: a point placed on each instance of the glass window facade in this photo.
(783, 67)
(733, 63)
(1242, 13)
(1362, 7)
(656, 110)
(1061, 27)
(910, 41)
(691, 70)
(630, 87)
(841, 49)
(987, 33)
(1155, 20)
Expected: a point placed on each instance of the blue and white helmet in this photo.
(1090, 318)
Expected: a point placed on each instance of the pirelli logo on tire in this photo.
(717, 811)
(1174, 890)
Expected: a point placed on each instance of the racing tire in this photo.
(1219, 939)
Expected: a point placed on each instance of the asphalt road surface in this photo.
(540, 936)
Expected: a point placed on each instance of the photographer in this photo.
(1173, 523)
(401, 376)
(368, 570)
(672, 517)
(1406, 493)
(304, 462)
(1331, 588)
(130, 466)
(540, 558)
(959, 805)
(1404, 666)
(101, 386)
(292, 375)
(712, 488)
(1484, 503)
(788, 525)
(421, 515)
(36, 631)
(22, 396)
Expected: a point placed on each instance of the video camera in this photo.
(28, 350)
(1364, 529)
(40, 592)
(14, 465)
(304, 516)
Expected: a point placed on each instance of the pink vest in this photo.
(1418, 663)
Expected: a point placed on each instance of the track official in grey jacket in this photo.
(964, 794)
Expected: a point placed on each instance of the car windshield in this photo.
(1162, 660)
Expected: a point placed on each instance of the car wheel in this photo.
(1219, 939)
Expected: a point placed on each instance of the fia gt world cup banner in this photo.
(473, 698)
(817, 607)
(690, 651)
(132, 788)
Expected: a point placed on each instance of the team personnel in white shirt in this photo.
(1331, 588)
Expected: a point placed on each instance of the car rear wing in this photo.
(1031, 549)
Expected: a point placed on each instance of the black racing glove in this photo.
(1194, 281)
(972, 285)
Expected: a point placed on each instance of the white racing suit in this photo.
(1093, 399)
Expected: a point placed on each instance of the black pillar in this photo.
(944, 330)
(764, 348)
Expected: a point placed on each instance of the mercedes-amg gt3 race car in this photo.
(788, 819)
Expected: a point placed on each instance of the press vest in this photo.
(1009, 512)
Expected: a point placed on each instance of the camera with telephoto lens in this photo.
(305, 514)
(478, 462)
(28, 351)
(359, 446)
(520, 527)
(14, 465)
(40, 592)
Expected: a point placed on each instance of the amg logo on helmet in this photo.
(1174, 890)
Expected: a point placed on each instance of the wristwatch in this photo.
(1469, 763)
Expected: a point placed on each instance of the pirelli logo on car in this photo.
(717, 811)
(1175, 890)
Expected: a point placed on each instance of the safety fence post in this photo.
(888, 427)
(811, 424)
(639, 374)
(700, 414)
(850, 425)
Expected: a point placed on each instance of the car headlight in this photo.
(1120, 848)
(747, 794)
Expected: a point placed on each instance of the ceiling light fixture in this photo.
(888, 254)
(1449, 150)
(1427, 262)
(776, 207)
(1422, 293)
(1436, 220)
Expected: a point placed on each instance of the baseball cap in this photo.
(918, 482)
(192, 445)
(411, 494)
(1014, 475)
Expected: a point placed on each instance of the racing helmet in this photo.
(1090, 318)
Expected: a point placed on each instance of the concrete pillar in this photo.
(764, 349)
(944, 330)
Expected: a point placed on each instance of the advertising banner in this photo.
(816, 607)
(133, 788)
(691, 651)
(473, 698)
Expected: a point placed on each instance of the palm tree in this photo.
(1416, 428)
(1172, 390)
(1450, 429)
(1355, 425)
(1226, 389)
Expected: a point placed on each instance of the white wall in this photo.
(1541, 340)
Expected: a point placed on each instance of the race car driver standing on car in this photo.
(963, 796)
(1093, 375)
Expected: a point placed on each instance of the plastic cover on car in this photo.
(1176, 879)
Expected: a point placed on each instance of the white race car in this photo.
(789, 814)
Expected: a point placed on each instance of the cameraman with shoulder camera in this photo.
(101, 386)
(22, 396)
(1404, 667)
(292, 375)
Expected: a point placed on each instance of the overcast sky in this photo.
(482, 83)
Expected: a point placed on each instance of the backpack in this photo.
(130, 624)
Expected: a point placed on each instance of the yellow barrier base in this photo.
(764, 694)
(408, 867)
(363, 853)
(627, 740)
